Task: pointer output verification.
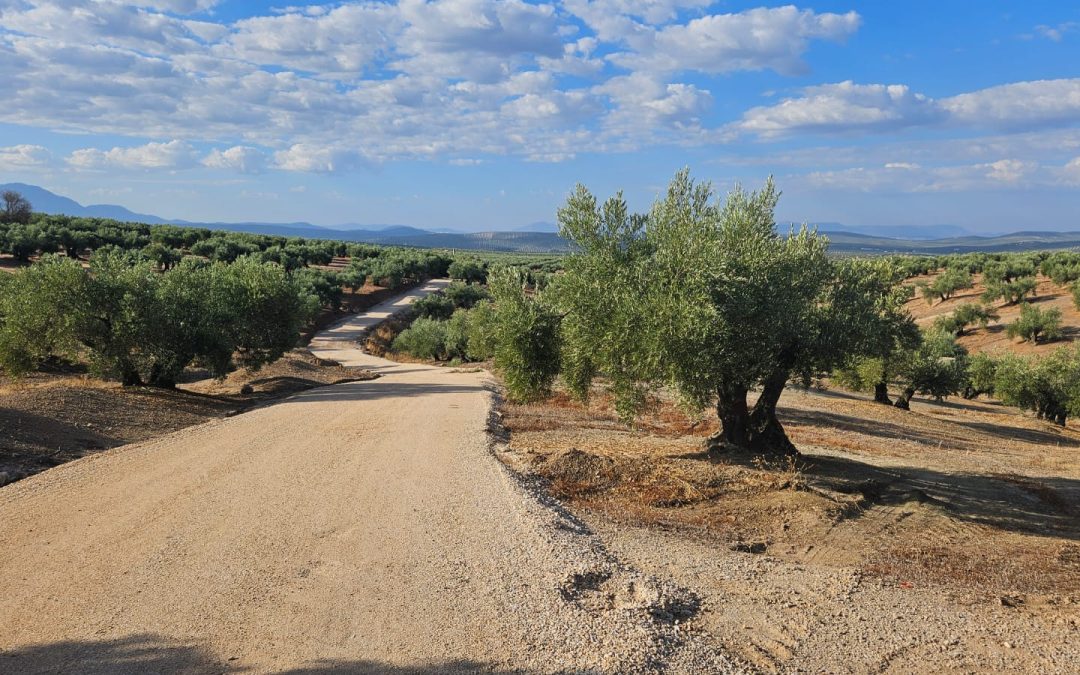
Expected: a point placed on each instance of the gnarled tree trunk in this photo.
(767, 435)
(734, 419)
(881, 393)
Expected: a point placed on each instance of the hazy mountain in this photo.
(49, 202)
(896, 231)
(539, 226)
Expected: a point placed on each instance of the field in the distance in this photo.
(993, 339)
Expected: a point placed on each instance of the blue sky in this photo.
(483, 114)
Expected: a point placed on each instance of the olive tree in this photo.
(946, 284)
(1012, 291)
(1035, 324)
(526, 336)
(1049, 386)
(937, 367)
(136, 324)
(707, 297)
(967, 314)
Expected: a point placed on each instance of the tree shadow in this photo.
(1041, 506)
(875, 428)
(139, 654)
(381, 388)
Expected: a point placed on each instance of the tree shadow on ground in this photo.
(382, 388)
(139, 654)
(887, 430)
(875, 428)
(1038, 506)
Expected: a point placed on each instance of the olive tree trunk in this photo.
(904, 400)
(881, 393)
(767, 435)
(734, 419)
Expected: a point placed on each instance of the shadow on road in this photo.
(382, 388)
(139, 654)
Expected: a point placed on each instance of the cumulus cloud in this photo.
(241, 158)
(756, 39)
(380, 81)
(1021, 104)
(22, 157)
(174, 154)
(318, 159)
(843, 107)
(850, 107)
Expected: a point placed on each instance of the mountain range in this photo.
(542, 236)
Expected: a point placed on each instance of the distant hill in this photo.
(49, 202)
(896, 231)
(542, 236)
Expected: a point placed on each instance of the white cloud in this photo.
(1020, 104)
(850, 107)
(317, 159)
(757, 39)
(174, 154)
(22, 157)
(240, 158)
(340, 41)
(843, 107)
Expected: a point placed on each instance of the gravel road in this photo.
(361, 527)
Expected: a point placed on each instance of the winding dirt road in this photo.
(361, 527)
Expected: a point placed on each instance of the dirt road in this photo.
(362, 527)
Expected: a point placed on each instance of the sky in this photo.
(484, 114)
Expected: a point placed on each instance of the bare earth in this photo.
(360, 527)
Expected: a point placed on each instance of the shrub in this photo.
(468, 271)
(434, 306)
(480, 329)
(466, 295)
(424, 339)
(457, 335)
(981, 371)
(526, 337)
(1035, 324)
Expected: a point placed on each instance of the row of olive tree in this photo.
(129, 321)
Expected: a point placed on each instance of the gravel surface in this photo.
(361, 527)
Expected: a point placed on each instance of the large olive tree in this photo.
(705, 296)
